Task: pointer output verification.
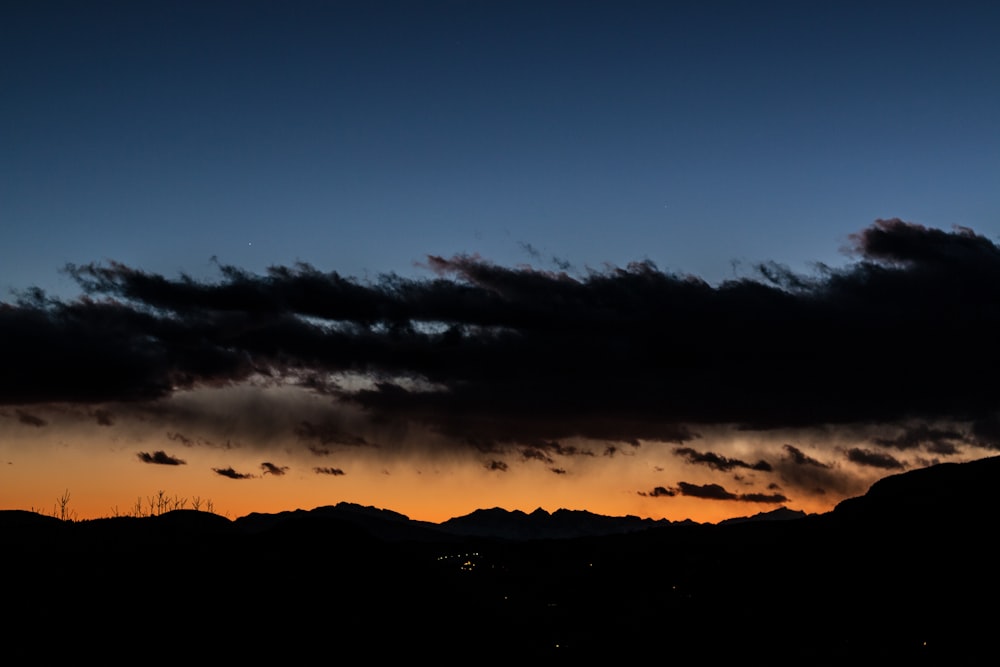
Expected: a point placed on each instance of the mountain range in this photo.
(904, 573)
(383, 524)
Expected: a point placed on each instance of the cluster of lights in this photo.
(468, 560)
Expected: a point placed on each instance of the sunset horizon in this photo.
(674, 260)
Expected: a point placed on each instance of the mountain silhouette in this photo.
(947, 492)
(904, 573)
(540, 524)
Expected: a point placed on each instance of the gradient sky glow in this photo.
(647, 230)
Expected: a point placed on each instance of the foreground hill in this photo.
(904, 573)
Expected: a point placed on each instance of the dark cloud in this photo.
(484, 445)
(925, 462)
(533, 453)
(815, 478)
(717, 492)
(717, 462)
(188, 441)
(986, 431)
(866, 457)
(103, 417)
(232, 474)
(29, 419)
(937, 440)
(659, 491)
(534, 253)
(336, 472)
(518, 355)
(799, 458)
(558, 471)
(531, 250)
(763, 498)
(709, 491)
(551, 447)
(942, 447)
(270, 468)
(497, 465)
(179, 437)
(100, 349)
(571, 450)
(161, 458)
(329, 434)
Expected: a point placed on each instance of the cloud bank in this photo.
(520, 363)
(626, 352)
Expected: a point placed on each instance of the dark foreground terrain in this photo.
(906, 574)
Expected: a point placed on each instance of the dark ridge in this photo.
(23, 519)
(946, 492)
(780, 514)
(902, 575)
(382, 524)
(563, 523)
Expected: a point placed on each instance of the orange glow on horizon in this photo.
(115, 482)
(424, 478)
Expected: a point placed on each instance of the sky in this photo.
(668, 259)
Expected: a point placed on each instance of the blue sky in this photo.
(362, 136)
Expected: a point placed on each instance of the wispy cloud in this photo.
(272, 469)
(867, 457)
(713, 492)
(944, 441)
(717, 492)
(799, 458)
(29, 419)
(658, 492)
(103, 417)
(718, 462)
(232, 474)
